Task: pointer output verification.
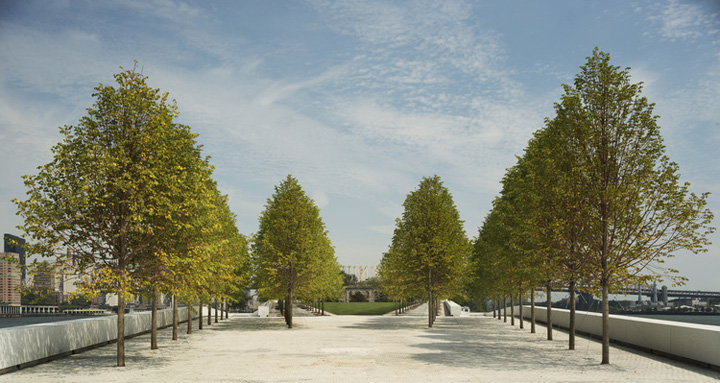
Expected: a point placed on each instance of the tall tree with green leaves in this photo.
(292, 254)
(556, 212)
(208, 255)
(639, 212)
(113, 189)
(507, 258)
(430, 243)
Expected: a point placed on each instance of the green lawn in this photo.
(359, 308)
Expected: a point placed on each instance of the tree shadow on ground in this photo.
(463, 342)
(382, 322)
(104, 357)
(137, 348)
(244, 324)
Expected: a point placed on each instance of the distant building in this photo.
(67, 279)
(369, 293)
(9, 279)
(13, 244)
(46, 279)
(686, 302)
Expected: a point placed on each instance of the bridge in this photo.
(362, 273)
(665, 293)
(662, 294)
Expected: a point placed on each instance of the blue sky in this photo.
(360, 99)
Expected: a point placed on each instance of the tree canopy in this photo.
(292, 255)
(602, 205)
(429, 249)
(130, 194)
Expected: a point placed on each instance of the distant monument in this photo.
(360, 292)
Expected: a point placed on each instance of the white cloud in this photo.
(678, 20)
(368, 127)
(321, 199)
(52, 63)
(421, 49)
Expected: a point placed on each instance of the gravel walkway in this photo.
(362, 349)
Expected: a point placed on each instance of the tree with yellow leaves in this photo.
(116, 188)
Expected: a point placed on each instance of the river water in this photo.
(22, 321)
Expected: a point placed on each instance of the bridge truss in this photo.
(362, 273)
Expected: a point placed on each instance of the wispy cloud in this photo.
(178, 12)
(388, 230)
(420, 91)
(430, 87)
(678, 20)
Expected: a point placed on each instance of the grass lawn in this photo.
(359, 308)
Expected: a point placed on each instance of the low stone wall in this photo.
(26, 345)
(697, 342)
(452, 309)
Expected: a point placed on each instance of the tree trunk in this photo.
(571, 330)
(121, 330)
(210, 312)
(322, 303)
(605, 208)
(520, 303)
(216, 310)
(288, 308)
(281, 307)
(153, 331)
(504, 309)
(494, 307)
(499, 308)
(434, 309)
(430, 298)
(285, 310)
(512, 309)
(189, 308)
(175, 318)
(549, 312)
(200, 317)
(605, 324)
(532, 311)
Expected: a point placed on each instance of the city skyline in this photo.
(359, 101)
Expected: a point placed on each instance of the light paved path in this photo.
(422, 311)
(362, 349)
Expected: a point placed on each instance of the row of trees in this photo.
(130, 194)
(593, 204)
